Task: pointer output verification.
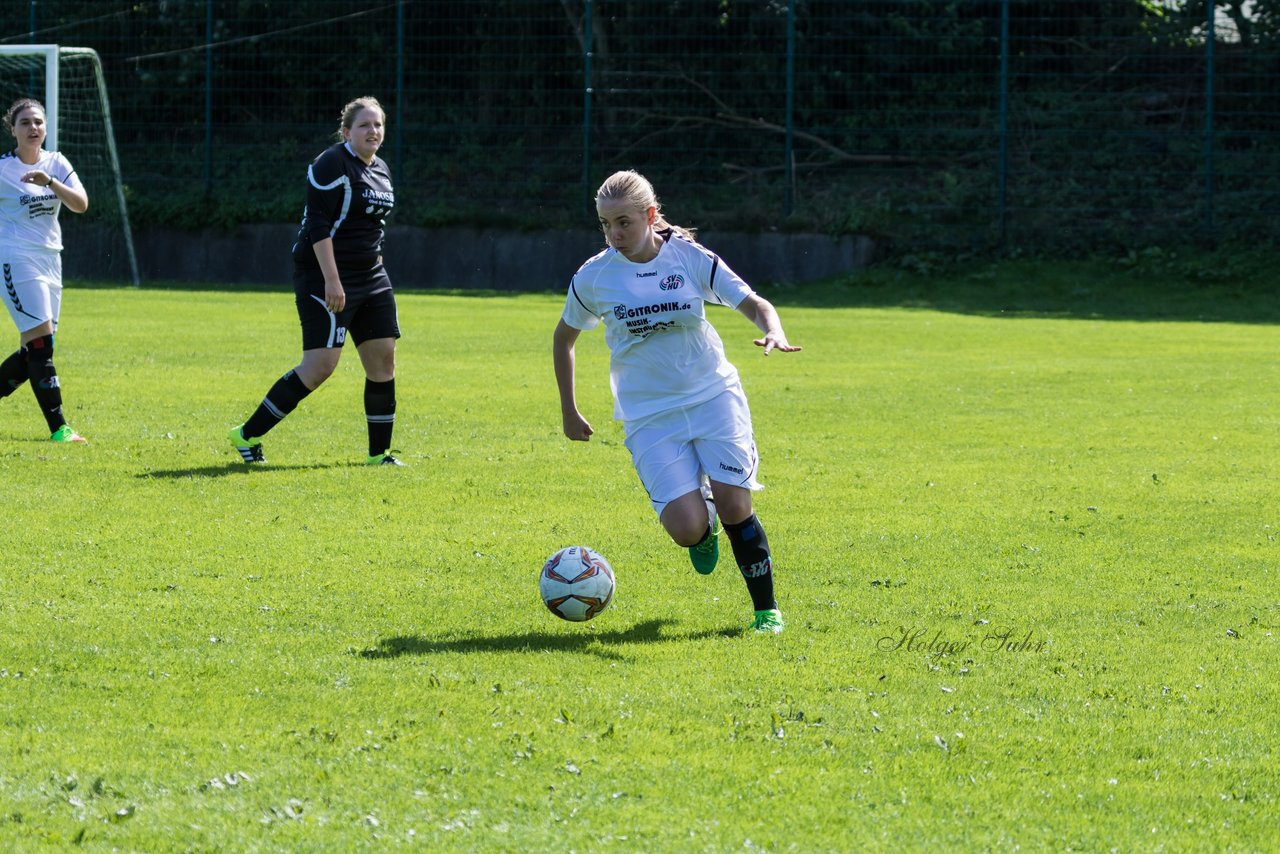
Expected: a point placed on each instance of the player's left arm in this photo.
(761, 312)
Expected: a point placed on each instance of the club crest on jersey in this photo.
(670, 283)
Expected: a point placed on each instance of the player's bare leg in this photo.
(317, 366)
(690, 522)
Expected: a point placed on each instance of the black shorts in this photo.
(366, 315)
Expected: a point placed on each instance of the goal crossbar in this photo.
(52, 55)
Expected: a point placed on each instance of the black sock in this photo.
(13, 372)
(380, 411)
(282, 399)
(751, 551)
(44, 380)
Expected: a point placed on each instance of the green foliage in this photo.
(895, 123)
(1024, 536)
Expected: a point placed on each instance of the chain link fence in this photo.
(1045, 125)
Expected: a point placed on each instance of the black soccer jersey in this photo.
(348, 201)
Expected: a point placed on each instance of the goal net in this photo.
(69, 82)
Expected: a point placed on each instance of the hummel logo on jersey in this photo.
(733, 469)
(646, 275)
(670, 283)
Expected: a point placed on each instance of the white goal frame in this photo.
(52, 53)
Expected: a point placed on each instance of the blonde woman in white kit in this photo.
(686, 418)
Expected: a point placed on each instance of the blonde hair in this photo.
(352, 108)
(634, 189)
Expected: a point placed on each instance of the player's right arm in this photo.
(335, 296)
(575, 426)
(327, 200)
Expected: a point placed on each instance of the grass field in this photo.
(1023, 516)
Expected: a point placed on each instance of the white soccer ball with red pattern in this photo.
(576, 583)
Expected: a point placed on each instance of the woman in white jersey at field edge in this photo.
(34, 186)
(680, 400)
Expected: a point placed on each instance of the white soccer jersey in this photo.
(664, 353)
(29, 213)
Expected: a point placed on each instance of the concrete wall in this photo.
(465, 258)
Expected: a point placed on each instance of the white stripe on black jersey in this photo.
(348, 201)
(345, 183)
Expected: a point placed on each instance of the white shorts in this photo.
(33, 289)
(673, 450)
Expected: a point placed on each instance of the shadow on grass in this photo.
(600, 643)
(1226, 285)
(1220, 287)
(285, 289)
(232, 469)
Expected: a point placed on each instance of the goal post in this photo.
(70, 83)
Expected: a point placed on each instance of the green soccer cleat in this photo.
(66, 434)
(383, 460)
(705, 554)
(768, 622)
(250, 450)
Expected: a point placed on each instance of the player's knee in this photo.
(40, 347)
(686, 528)
(686, 539)
(315, 369)
(379, 360)
(313, 376)
(733, 503)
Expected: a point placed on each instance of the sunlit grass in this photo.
(1027, 558)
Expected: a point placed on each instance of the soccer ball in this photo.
(576, 583)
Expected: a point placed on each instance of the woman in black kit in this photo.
(340, 285)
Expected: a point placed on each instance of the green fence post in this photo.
(789, 165)
(587, 28)
(208, 98)
(1003, 178)
(1208, 124)
(399, 136)
(32, 77)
